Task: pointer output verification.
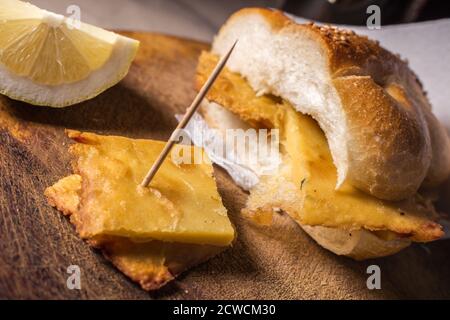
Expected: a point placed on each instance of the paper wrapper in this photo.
(244, 171)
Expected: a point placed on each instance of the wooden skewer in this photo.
(189, 113)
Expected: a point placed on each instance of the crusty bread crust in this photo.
(382, 134)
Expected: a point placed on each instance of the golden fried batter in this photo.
(150, 234)
(181, 204)
(152, 264)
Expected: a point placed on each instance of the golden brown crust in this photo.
(391, 129)
(439, 168)
(63, 195)
(153, 264)
(400, 154)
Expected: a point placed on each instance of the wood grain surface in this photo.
(37, 243)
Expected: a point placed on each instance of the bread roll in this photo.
(376, 117)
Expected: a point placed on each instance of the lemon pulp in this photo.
(46, 49)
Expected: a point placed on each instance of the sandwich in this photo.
(362, 153)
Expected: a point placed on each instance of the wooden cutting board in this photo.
(37, 243)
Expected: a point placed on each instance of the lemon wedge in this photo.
(46, 59)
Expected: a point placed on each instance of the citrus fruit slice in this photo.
(48, 59)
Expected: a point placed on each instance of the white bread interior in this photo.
(357, 244)
(382, 135)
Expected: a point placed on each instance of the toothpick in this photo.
(189, 113)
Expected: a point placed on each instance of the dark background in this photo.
(354, 11)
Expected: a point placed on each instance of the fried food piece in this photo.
(64, 194)
(305, 186)
(181, 204)
(152, 264)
